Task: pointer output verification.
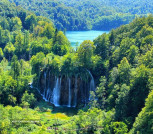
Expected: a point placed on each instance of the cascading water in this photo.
(92, 83)
(52, 95)
(69, 99)
(56, 92)
(81, 87)
(75, 91)
(44, 94)
(65, 91)
(48, 89)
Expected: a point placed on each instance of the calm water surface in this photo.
(77, 37)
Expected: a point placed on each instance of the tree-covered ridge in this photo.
(62, 16)
(134, 6)
(88, 14)
(78, 15)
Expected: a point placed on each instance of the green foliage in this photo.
(1, 54)
(132, 54)
(30, 22)
(48, 31)
(16, 24)
(93, 102)
(68, 63)
(28, 98)
(87, 14)
(37, 62)
(13, 116)
(85, 52)
(121, 103)
(21, 30)
(125, 46)
(15, 67)
(147, 59)
(94, 121)
(129, 75)
(144, 122)
(139, 89)
(8, 90)
(102, 46)
(61, 46)
(124, 71)
(101, 92)
(119, 128)
(9, 51)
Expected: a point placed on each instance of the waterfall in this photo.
(48, 89)
(56, 92)
(92, 84)
(52, 93)
(66, 91)
(75, 91)
(69, 99)
(81, 87)
(44, 94)
(60, 87)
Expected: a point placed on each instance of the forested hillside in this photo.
(134, 6)
(23, 35)
(88, 14)
(120, 62)
(82, 15)
(63, 17)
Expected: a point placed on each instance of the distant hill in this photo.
(88, 14)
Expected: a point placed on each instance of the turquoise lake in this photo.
(79, 36)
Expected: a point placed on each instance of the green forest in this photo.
(88, 14)
(121, 63)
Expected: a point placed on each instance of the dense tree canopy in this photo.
(88, 14)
